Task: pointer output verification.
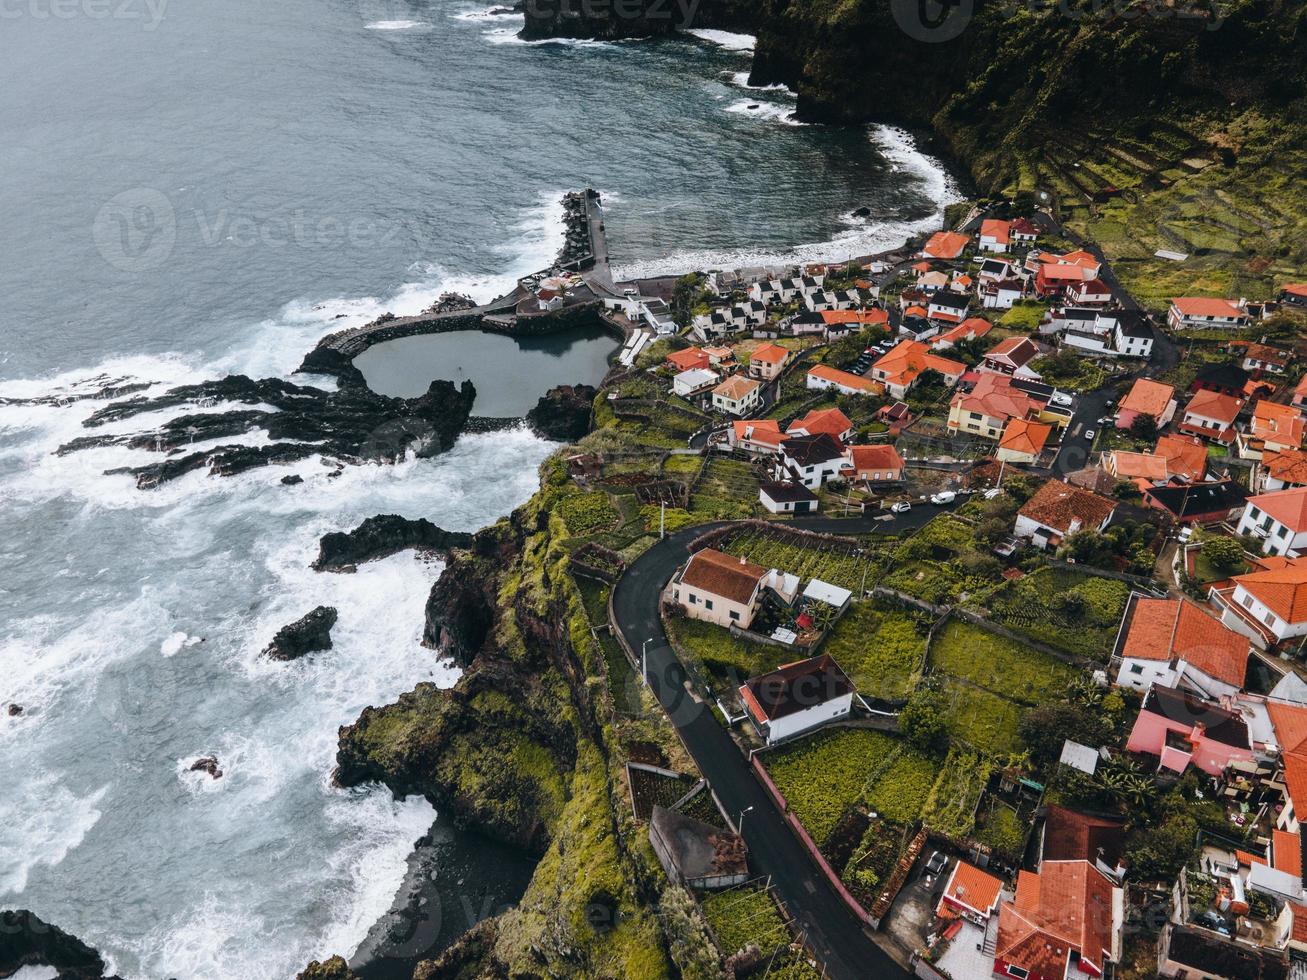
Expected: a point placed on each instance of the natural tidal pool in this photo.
(510, 373)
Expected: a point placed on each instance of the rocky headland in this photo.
(382, 536)
(27, 940)
(309, 633)
(351, 424)
(563, 414)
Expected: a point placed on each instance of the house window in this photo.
(707, 603)
(694, 599)
(1136, 668)
(1269, 619)
(735, 615)
(1248, 602)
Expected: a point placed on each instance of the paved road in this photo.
(834, 933)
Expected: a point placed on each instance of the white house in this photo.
(797, 698)
(810, 460)
(1279, 519)
(1188, 312)
(995, 270)
(995, 235)
(1175, 643)
(1268, 605)
(1058, 510)
(719, 588)
(1089, 292)
(790, 290)
(1133, 336)
(1000, 294)
(656, 313)
(810, 284)
(737, 395)
(766, 292)
(948, 306)
(1013, 357)
(787, 498)
(695, 380)
(707, 327)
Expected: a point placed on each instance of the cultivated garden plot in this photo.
(835, 562)
(999, 665)
(881, 648)
(727, 488)
(726, 661)
(1066, 609)
(743, 915)
(980, 719)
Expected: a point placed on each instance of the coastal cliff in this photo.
(633, 18)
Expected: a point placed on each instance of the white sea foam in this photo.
(740, 79)
(505, 35)
(36, 973)
(768, 111)
(42, 826)
(398, 25)
(858, 237)
(726, 39)
(482, 15)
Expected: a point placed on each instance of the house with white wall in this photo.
(797, 698)
(1269, 604)
(719, 588)
(1279, 519)
(1058, 510)
(1175, 643)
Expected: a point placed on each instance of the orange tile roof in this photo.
(1214, 405)
(688, 359)
(765, 431)
(973, 327)
(736, 388)
(1066, 906)
(1290, 723)
(1289, 507)
(995, 397)
(1148, 397)
(1017, 350)
(1278, 423)
(969, 886)
(1280, 585)
(946, 244)
(1144, 466)
(1058, 504)
(1296, 288)
(1185, 455)
(827, 373)
(769, 354)
(1080, 257)
(872, 316)
(996, 229)
(1024, 436)
(1299, 933)
(1064, 273)
(915, 311)
(1205, 306)
(1287, 465)
(879, 457)
(831, 421)
(1177, 629)
(724, 575)
(1286, 852)
(909, 358)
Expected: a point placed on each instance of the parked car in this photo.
(1089, 434)
(935, 864)
(943, 497)
(1061, 398)
(902, 507)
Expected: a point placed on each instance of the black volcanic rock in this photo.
(636, 18)
(460, 609)
(353, 424)
(307, 634)
(292, 480)
(334, 968)
(208, 764)
(380, 536)
(15, 710)
(563, 414)
(25, 940)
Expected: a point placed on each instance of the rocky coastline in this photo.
(27, 940)
(382, 536)
(352, 424)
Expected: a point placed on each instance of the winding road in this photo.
(833, 932)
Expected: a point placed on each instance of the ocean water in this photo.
(194, 189)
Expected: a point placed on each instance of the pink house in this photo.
(1181, 729)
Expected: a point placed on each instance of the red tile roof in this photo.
(769, 354)
(1281, 586)
(1286, 853)
(1185, 455)
(688, 359)
(969, 886)
(996, 229)
(796, 687)
(1148, 397)
(1290, 723)
(1288, 507)
(876, 458)
(721, 574)
(909, 358)
(1058, 505)
(831, 421)
(764, 431)
(1177, 629)
(1066, 906)
(1286, 465)
(1024, 436)
(946, 244)
(872, 316)
(1206, 306)
(1215, 406)
(995, 397)
(1015, 350)
(1277, 423)
(844, 378)
(1144, 466)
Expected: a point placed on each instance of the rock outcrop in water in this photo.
(26, 940)
(381, 536)
(308, 633)
(332, 969)
(563, 414)
(352, 424)
(208, 764)
(636, 18)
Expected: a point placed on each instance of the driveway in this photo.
(834, 933)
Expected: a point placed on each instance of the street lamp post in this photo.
(644, 661)
(739, 823)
